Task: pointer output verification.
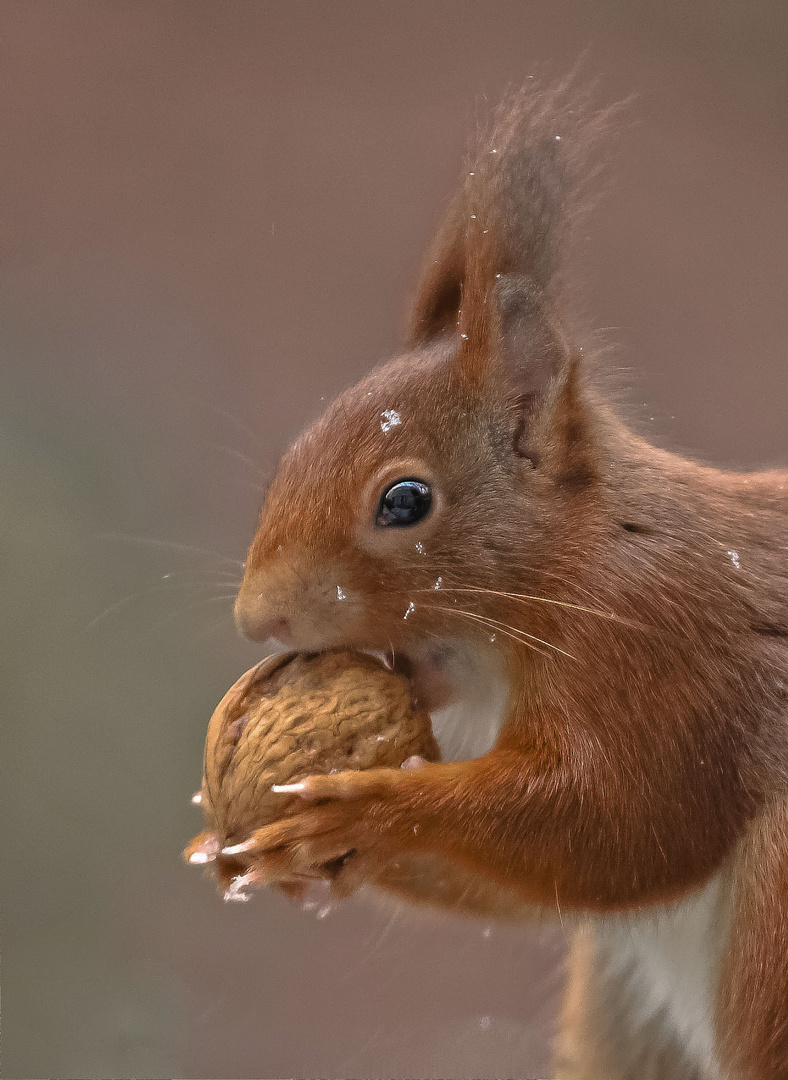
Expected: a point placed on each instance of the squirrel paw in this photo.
(343, 836)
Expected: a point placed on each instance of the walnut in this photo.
(292, 716)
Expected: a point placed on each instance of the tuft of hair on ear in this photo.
(528, 177)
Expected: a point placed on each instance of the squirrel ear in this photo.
(533, 366)
(523, 185)
(494, 274)
(440, 289)
(525, 344)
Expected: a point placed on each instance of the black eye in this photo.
(404, 503)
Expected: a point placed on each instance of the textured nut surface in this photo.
(300, 714)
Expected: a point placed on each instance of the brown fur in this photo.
(639, 601)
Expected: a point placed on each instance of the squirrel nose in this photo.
(258, 625)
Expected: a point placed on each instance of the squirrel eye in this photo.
(404, 503)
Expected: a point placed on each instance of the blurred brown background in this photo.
(211, 215)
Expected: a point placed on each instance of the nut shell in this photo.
(296, 715)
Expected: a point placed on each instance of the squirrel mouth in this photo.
(429, 670)
(466, 691)
(463, 689)
(430, 674)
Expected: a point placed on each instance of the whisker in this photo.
(109, 611)
(214, 626)
(525, 597)
(162, 586)
(240, 456)
(220, 573)
(175, 545)
(258, 489)
(375, 939)
(560, 916)
(238, 423)
(524, 633)
(440, 568)
(190, 607)
(498, 630)
(508, 631)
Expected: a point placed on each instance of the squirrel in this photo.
(477, 509)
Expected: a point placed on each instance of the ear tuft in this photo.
(525, 182)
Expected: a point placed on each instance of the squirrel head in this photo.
(441, 481)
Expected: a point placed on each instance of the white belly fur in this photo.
(670, 960)
(469, 728)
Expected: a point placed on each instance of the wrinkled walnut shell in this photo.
(293, 716)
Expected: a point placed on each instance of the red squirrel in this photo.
(616, 616)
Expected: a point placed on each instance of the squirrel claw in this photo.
(203, 849)
(239, 849)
